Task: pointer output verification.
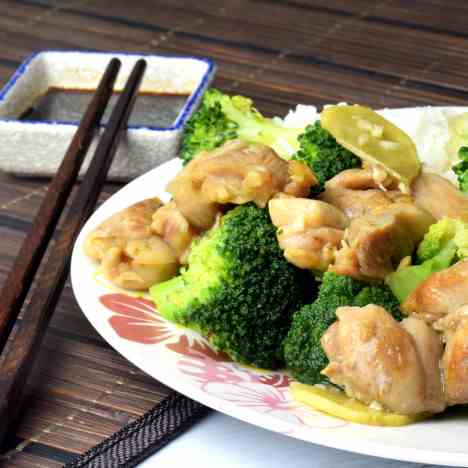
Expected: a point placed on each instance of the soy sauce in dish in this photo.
(69, 105)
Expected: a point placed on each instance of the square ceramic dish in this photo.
(36, 147)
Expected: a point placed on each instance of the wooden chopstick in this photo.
(27, 262)
(23, 348)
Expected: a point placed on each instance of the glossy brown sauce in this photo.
(69, 105)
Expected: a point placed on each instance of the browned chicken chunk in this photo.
(455, 360)
(429, 347)
(448, 324)
(131, 255)
(310, 231)
(443, 292)
(174, 229)
(455, 366)
(200, 213)
(235, 173)
(374, 244)
(376, 359)
(300, 179)
(454, 327)
(358, 192)
(439, 197)
(442, 300)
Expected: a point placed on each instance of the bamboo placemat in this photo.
(384, 54)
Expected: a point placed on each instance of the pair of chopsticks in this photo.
(19, 352)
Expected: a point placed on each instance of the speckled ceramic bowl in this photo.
(36, 147)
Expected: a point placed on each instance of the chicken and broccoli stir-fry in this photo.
(325, 250)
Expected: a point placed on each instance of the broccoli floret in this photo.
(302, 349)
(238, 290)
(222, 118)
(461, 169)
(436, 238)
(206, 130)
(442, 233)
(321, 152)
(445, 243)
(303, 352)
(379, 295)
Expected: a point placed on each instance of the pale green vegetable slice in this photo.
(374, 139)
(336, 403)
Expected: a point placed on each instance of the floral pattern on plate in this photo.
(136, 319)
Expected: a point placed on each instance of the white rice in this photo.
(429, 128)
(300, 117)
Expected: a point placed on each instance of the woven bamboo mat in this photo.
(382, 53)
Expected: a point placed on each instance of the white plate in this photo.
(184, 361)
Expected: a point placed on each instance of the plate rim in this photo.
(266, 421)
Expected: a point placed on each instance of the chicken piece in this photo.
(440, 294)
(131, 255)
(439, 197)
(429, 347)
(301, 179)
(448, 324)
(374, 244)
(375, 359)
(200, 213)
(309, 231)
(312, 249)
(358, 192)
(455, 366)
(235, 173)
(132, 223)
(174, 229)
(455, 359)
(140, 264)
(305, 212)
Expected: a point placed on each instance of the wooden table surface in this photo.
(380, 53)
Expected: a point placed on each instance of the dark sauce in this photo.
(69, 105)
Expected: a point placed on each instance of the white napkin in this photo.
(221, 441)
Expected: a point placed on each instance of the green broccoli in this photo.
(238, 290)
(222, 118)
(321, 152)
(303, 352)
(380, 295)
(207, 129)
(461, 169)
(442, 233)
(445, 243)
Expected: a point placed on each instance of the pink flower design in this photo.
(275, 379)
(198, 349)
(203, 363)
(136, 319)
(209, 366)
(263, 398)
(273, 401)
(207, 372)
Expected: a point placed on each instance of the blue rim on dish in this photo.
(177, 125)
